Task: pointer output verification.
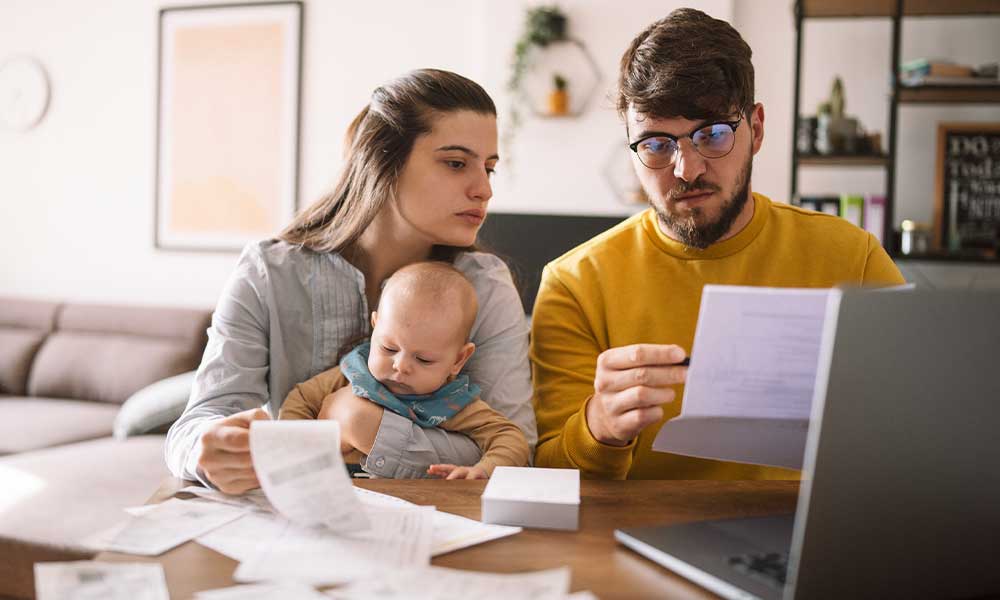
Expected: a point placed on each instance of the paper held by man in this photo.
(749, 390)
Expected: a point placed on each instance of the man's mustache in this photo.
(684, 187)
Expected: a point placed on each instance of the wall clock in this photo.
(24, 93)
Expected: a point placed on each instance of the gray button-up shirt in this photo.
(287, 311)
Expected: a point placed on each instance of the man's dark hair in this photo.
(687, 65)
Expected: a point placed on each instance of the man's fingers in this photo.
(628, 425)
(638, 355)
(638, 397)
(243, 418)
(610, 381)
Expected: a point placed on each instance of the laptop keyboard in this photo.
(770, 568)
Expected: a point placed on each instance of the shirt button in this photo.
(380, 462)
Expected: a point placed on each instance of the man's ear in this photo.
(463, 356)
(374, 318)
(757, 127)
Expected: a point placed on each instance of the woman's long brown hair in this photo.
(379, 141)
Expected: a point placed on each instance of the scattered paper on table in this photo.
(453, 532)
(399, 538)
(164, 526)
(437, 583)
(87, 579)
(241, 539)
(302, 473)
(263, 591)
(254, 499)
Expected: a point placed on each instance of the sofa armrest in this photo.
(154, 408)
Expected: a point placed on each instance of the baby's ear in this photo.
(374, 318)
(463, 356)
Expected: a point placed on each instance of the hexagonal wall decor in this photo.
(569, 60)
(619, 174)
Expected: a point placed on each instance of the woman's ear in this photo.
(463, 356)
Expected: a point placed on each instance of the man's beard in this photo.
(702, 235)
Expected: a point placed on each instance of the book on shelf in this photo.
(874, 218)
(920, 80)
(824, 204)
(934, 67)
(852, 208)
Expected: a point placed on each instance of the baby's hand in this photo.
(455, 472)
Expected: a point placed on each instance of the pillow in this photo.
(154, 408)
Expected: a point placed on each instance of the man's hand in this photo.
(359, 419)
(455, 472)
(630, 385)
(225, 452)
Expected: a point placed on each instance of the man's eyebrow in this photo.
(465, 150)
(653, 133)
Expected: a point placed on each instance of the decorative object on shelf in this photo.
(24, 93)
(544, 52)
(967, 188)
(620, 176)
(805, 143)
(559, 96)
(836, 133)
(915, 238)
(228, 123)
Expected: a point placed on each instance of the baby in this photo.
(419, 344)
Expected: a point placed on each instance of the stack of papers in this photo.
(436, 583)
(533, 497)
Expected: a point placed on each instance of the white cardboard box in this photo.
(530, 497)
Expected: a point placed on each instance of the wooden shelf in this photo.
(822, 160)
(887, 8)
(950, 94)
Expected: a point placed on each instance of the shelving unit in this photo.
(896, 11)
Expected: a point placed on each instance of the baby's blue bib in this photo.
(426, 410)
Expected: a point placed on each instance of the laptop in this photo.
(900, 496)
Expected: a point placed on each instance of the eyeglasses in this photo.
(659, 151)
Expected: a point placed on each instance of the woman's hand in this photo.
(456, 472)
(225, 452)
(359, 419)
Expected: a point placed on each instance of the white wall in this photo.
(76, 193)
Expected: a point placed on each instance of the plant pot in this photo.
(558, 103)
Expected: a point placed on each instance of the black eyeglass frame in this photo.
(634, 146)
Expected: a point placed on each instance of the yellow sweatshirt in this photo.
(632, 284)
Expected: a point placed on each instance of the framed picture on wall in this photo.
(967, 195)
(227, 124)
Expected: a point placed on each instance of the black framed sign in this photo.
(967, 198)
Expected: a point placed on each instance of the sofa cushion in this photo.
(23, 326)
(107, 353)
(32, 423)
(55, 498)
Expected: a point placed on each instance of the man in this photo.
(614, 316)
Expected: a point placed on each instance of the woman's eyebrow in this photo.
(465, 150)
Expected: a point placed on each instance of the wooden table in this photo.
(598, 563)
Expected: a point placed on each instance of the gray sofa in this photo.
(86, 392)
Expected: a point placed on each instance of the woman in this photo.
(415, 186)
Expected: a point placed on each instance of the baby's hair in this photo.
(440, 281)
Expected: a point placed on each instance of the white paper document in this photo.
(437, 583)
(251, 500)
(164, 526)
(750, 385)
(454, 532)
(91, 580)
(263, 591)
(303, 475)
(398, 538)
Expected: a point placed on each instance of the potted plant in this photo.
(543, 25)
(559, 96)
